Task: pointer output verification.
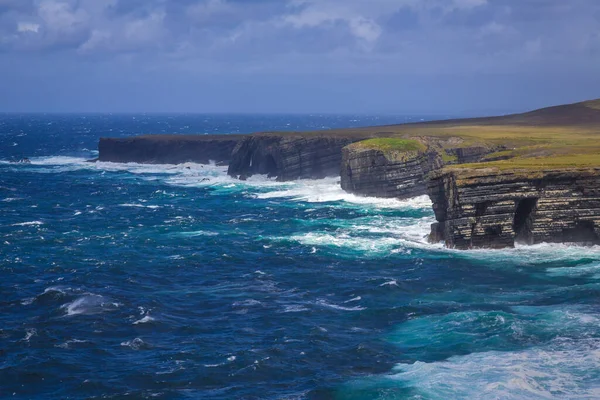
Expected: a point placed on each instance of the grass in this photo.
(392, 144)
(448, 158)
(561, 136)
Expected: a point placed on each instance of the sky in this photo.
(456, 57)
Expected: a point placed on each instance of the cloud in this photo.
(387, 36)
(28, 27)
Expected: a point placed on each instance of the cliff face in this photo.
(167, 149)
(373, 172)
(288, 157)
(495, 209)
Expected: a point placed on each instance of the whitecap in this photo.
(29, 333)
(324, 303)
(294, 308)
(563, 369)
(30, 223)
(344, 240)
(135, 344)
(357, 298)
(328, 190)
(68, 343)
(89, 304)
(196, 233)
(247, 303)
(146, 319)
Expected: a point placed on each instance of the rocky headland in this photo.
(169, 149)
(494, 182)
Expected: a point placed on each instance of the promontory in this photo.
(494, 182)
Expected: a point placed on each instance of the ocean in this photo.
(179, 282)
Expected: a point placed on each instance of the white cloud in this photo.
(23, 27)
(62, 17)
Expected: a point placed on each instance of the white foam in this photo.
(329, 190)
(563, 369)
(68, 343)
(325, 303)
(29, 333)
(393, 235)
(247, 303)
(357, 298)
(197, 233)
(135, 344)
(31, 223)
(587, 270)
(137, 205)
(530, 255)
(294, 308)
(89, 304)
(144, 320)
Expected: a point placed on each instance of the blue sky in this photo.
(359, 56)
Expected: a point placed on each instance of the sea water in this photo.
(177, 282)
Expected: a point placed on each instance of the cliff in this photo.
(494, 181)
(496, 208)
(169, 149)
(398, 167)
(387, 167)
(289, 156)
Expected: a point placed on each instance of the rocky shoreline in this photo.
(478, 204)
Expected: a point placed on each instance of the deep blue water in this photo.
(132, 281)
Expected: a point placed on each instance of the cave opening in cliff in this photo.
(582, 232)
(523, 222)
(268, 166)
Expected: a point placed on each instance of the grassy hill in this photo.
(560, 136)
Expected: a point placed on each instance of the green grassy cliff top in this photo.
(391, 144)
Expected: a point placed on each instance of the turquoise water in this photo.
(148, 281)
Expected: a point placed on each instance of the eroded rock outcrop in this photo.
(493, 208)
(169, 149)
(375, 172)
(289, 156)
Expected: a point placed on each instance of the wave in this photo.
(326, 304)
(369, 236)
(328, 190)
(469, 331)
(30, 223)
(144, 320)
(135, 344)
(88, 305)
(564, 369)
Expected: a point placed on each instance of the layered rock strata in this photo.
(169, 149)
(491, 208)
(378, 173)
(289, 156)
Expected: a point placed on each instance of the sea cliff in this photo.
(169, 149)
(288, 156)
(391, 168)
(494, 182)
(495, 209)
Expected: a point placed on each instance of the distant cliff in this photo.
(289, 156)
(494, 208)
(169, 149)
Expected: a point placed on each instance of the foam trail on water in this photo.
(329, 190)
(89, 304)
(564, 369)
